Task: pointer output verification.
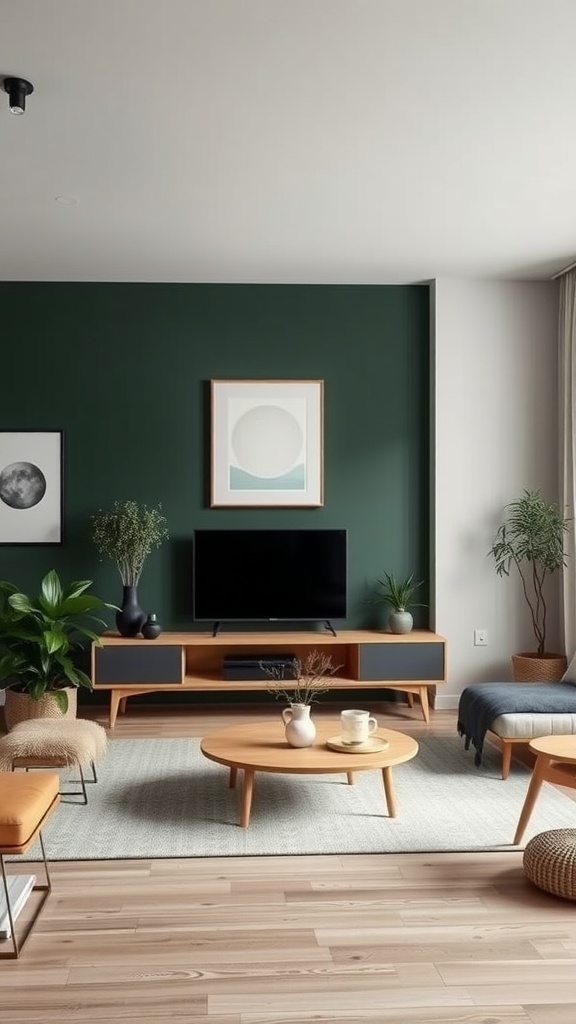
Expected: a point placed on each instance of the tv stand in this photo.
(366, 660)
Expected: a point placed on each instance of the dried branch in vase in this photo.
(310, 678)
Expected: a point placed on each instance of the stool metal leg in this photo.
(72, 792)
(68, 792)
(45, 888)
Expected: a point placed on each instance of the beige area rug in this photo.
(161, 798)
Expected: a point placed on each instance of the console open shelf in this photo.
(367, 659)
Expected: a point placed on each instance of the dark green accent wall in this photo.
(122, 369)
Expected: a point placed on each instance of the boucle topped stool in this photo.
(550, 862)
(55, 743)
(26, 803)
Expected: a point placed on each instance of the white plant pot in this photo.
(401, 622)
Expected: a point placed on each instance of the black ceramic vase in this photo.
(151, 628)
(130, 618)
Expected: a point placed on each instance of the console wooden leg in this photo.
(389, 791)
(409, 699)
(246, 802)
(538, 775)
(123, 705)
(423, 691)
(115, 699)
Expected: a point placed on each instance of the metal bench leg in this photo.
(45, 888)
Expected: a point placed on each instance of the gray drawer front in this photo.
(138, 664)
(418, 662)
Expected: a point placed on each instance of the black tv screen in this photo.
(269, 575)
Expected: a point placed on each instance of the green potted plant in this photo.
(38, 637)
(398, 594)
(127, 533)
(532, 538)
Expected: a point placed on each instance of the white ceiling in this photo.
(336, 141)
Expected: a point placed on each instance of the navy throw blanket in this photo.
(479, 705)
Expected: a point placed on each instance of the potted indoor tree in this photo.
(397, 594)
(532, 538)
(38, 638)
(127, 533)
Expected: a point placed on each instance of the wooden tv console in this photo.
(367, 659)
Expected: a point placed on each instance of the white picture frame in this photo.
(31, 487)
(267, 446)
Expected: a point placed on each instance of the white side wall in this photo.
(494, 434)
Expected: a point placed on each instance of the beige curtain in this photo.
(567, 412)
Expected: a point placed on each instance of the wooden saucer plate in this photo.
(371, 746)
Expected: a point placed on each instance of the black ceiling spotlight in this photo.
(18, 89)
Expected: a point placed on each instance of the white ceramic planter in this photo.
(401, 622)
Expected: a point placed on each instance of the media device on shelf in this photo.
(275, 575)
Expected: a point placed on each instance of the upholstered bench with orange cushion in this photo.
(26, 803)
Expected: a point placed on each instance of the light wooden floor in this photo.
(434, 939)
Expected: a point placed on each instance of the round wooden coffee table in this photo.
(555, 762)
(262, 747)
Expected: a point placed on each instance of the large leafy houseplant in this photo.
(39, 635)
(532, 539)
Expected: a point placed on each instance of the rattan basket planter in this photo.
(538, 668)
(550, 862)
(20, 707)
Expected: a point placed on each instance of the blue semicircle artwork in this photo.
(293, 480)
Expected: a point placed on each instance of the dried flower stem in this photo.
(311, 678)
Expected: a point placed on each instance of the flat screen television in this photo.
(270, 575)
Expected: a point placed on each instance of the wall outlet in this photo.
(480, 638)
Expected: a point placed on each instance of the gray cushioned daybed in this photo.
(517, 713)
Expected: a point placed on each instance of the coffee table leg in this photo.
(389, 791)
(232, 779)
(350, 777)
(538, 774)
(246, 800)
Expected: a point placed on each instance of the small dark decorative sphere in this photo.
(151, 628)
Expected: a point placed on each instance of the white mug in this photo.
(356, 726)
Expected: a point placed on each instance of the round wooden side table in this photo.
(555, 762)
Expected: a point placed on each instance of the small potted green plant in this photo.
(398, 594)
(38, 638)
(532, 538)
(127, 533)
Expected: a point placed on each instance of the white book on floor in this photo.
(19, 889)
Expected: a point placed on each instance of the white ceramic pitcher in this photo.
(300, 729)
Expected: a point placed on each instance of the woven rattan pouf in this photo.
(550, 862)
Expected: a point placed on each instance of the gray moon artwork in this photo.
(22, 485)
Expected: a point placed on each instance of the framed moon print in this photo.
(267, 443)
(31, 487)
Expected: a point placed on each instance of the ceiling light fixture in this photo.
(18, 89)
